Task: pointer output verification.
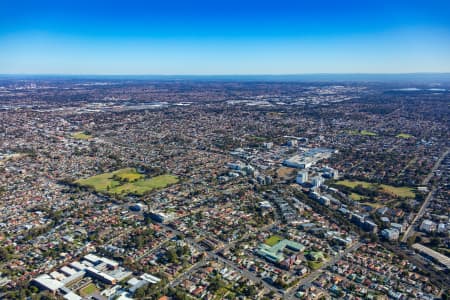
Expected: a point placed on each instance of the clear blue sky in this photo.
(224, 37)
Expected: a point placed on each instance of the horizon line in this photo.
(227, 74)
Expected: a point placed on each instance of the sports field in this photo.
(81, 136)
(88, 290)
(128, 174)
(356, 197)
(352, 184)
(127, 181)
(273, 240)
(362, 132)
(404, 135)
(404, 191)
(369, 133)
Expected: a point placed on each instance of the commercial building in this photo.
(317, 181)
(428, 226)
(100, 275)
(390, 234)
(161, 217)
(298, 162)
(302, 177)
(45, 282)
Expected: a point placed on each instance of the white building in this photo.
(331, 173)
(298, 162)
(292, 143)
(302, 177)
(390, 234)
(268, 145)
(428, 226)
(317, 181)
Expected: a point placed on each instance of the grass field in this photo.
(404, 135)
(273, 240)
(100, 182)
(81, 136)
(373, 205)
(352, 184)
(126, 181)
(404, 191)
(144, 185)
(366, 132)
(357, 197)
(314, 264)
(129, 174)
(362, 132)
(87, 290)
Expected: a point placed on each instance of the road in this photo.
(187, 273)
(313, 275)
(214, 256)
(244, 272)
(435, 167)
(419, 215)
(425, 203)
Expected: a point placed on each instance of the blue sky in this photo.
(224, 37)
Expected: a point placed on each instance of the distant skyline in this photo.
(224, 37)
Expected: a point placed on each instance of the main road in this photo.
(313, 275)
(425, 203)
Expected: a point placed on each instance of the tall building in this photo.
(302, 177)
(317, 181)
(390, 234)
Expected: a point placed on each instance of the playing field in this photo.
(81, 136)
(126, 181)
(273, 240)
(404, 136)
(356, 197)
(145, 185)
(129, 174)
(369, 133)
(314, 265)
(362, 132)
(89, 289)
(404, 191)
(353, 184)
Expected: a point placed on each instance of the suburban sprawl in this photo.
(135, 188)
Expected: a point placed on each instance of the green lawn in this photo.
(145, 185)
(357, 197)
(273, 240)
(362, 132)
(315, 264)
(87, 290)
(404, 191)
(100, 182)
(126, 181)
(81, 136)
(352, 184)
(374, 205)
(404, 135)
(369, 133)
(129, 174)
